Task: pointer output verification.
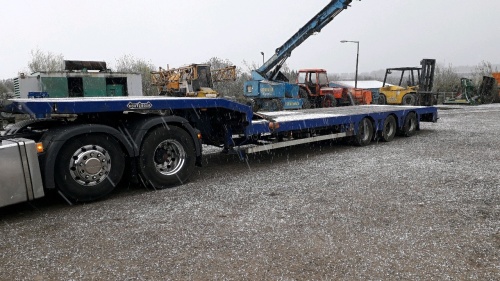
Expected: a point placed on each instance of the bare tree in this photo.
(484, 68)
(446, 79)
(45, 61)
(6, 86)
(227, 88)
(334, 77)
(129, 63)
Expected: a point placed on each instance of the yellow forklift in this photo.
(418, 88)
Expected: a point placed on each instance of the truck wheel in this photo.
(409, 99)
(328, 101)
(389, 129)
(382, 99)
(167, 157)
(89, 167)
(410, 125)
(306, 104)
(365, 133)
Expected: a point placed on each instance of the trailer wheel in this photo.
(167, 157)
(382, 99)
(306, 104)
(389, 129)
(409, 99)
(89, 167)
(365, 133)
(328, 101)
(410, 125)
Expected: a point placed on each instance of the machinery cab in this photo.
(313, 81)
(406, 90)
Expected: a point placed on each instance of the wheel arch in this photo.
(54, 139)
(140, 128)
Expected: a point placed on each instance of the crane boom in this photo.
(269, 89)
(320, 20)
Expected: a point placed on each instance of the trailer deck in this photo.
(324, 117)
(288, 120)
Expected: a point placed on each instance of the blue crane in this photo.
(269, 89)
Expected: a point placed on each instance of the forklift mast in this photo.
(426, 80)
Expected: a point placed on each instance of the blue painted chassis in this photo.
(293, 120)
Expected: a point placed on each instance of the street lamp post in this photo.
(262, 53)
(357, 60)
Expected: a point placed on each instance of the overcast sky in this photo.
(392, 33)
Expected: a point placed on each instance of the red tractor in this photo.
(314, 84)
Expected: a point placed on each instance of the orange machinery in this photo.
(496, 75)
(313, 84)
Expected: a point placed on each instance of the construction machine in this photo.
(470, 95)
(268, 88)
(314, 84)
(194, 80)
(418, 89)
(496, 88)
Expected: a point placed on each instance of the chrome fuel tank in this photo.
(20, 177)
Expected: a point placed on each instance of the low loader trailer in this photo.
(83, 147)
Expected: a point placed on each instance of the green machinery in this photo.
(470, 95)
(79, 79)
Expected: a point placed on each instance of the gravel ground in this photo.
(419, 208)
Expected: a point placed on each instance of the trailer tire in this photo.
(167, 157)
(389, 129)
(410, 125)
(89, 167)
(365, 132)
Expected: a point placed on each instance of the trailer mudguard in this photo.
(138, 128)
(54, 139)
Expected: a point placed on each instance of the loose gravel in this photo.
(420, 208)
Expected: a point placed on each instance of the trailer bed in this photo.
(288, 120)
(326, 117)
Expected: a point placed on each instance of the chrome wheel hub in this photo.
(169, 157)
(90, 165)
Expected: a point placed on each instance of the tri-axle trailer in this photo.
(83, 147)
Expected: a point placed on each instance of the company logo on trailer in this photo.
(139, 105)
